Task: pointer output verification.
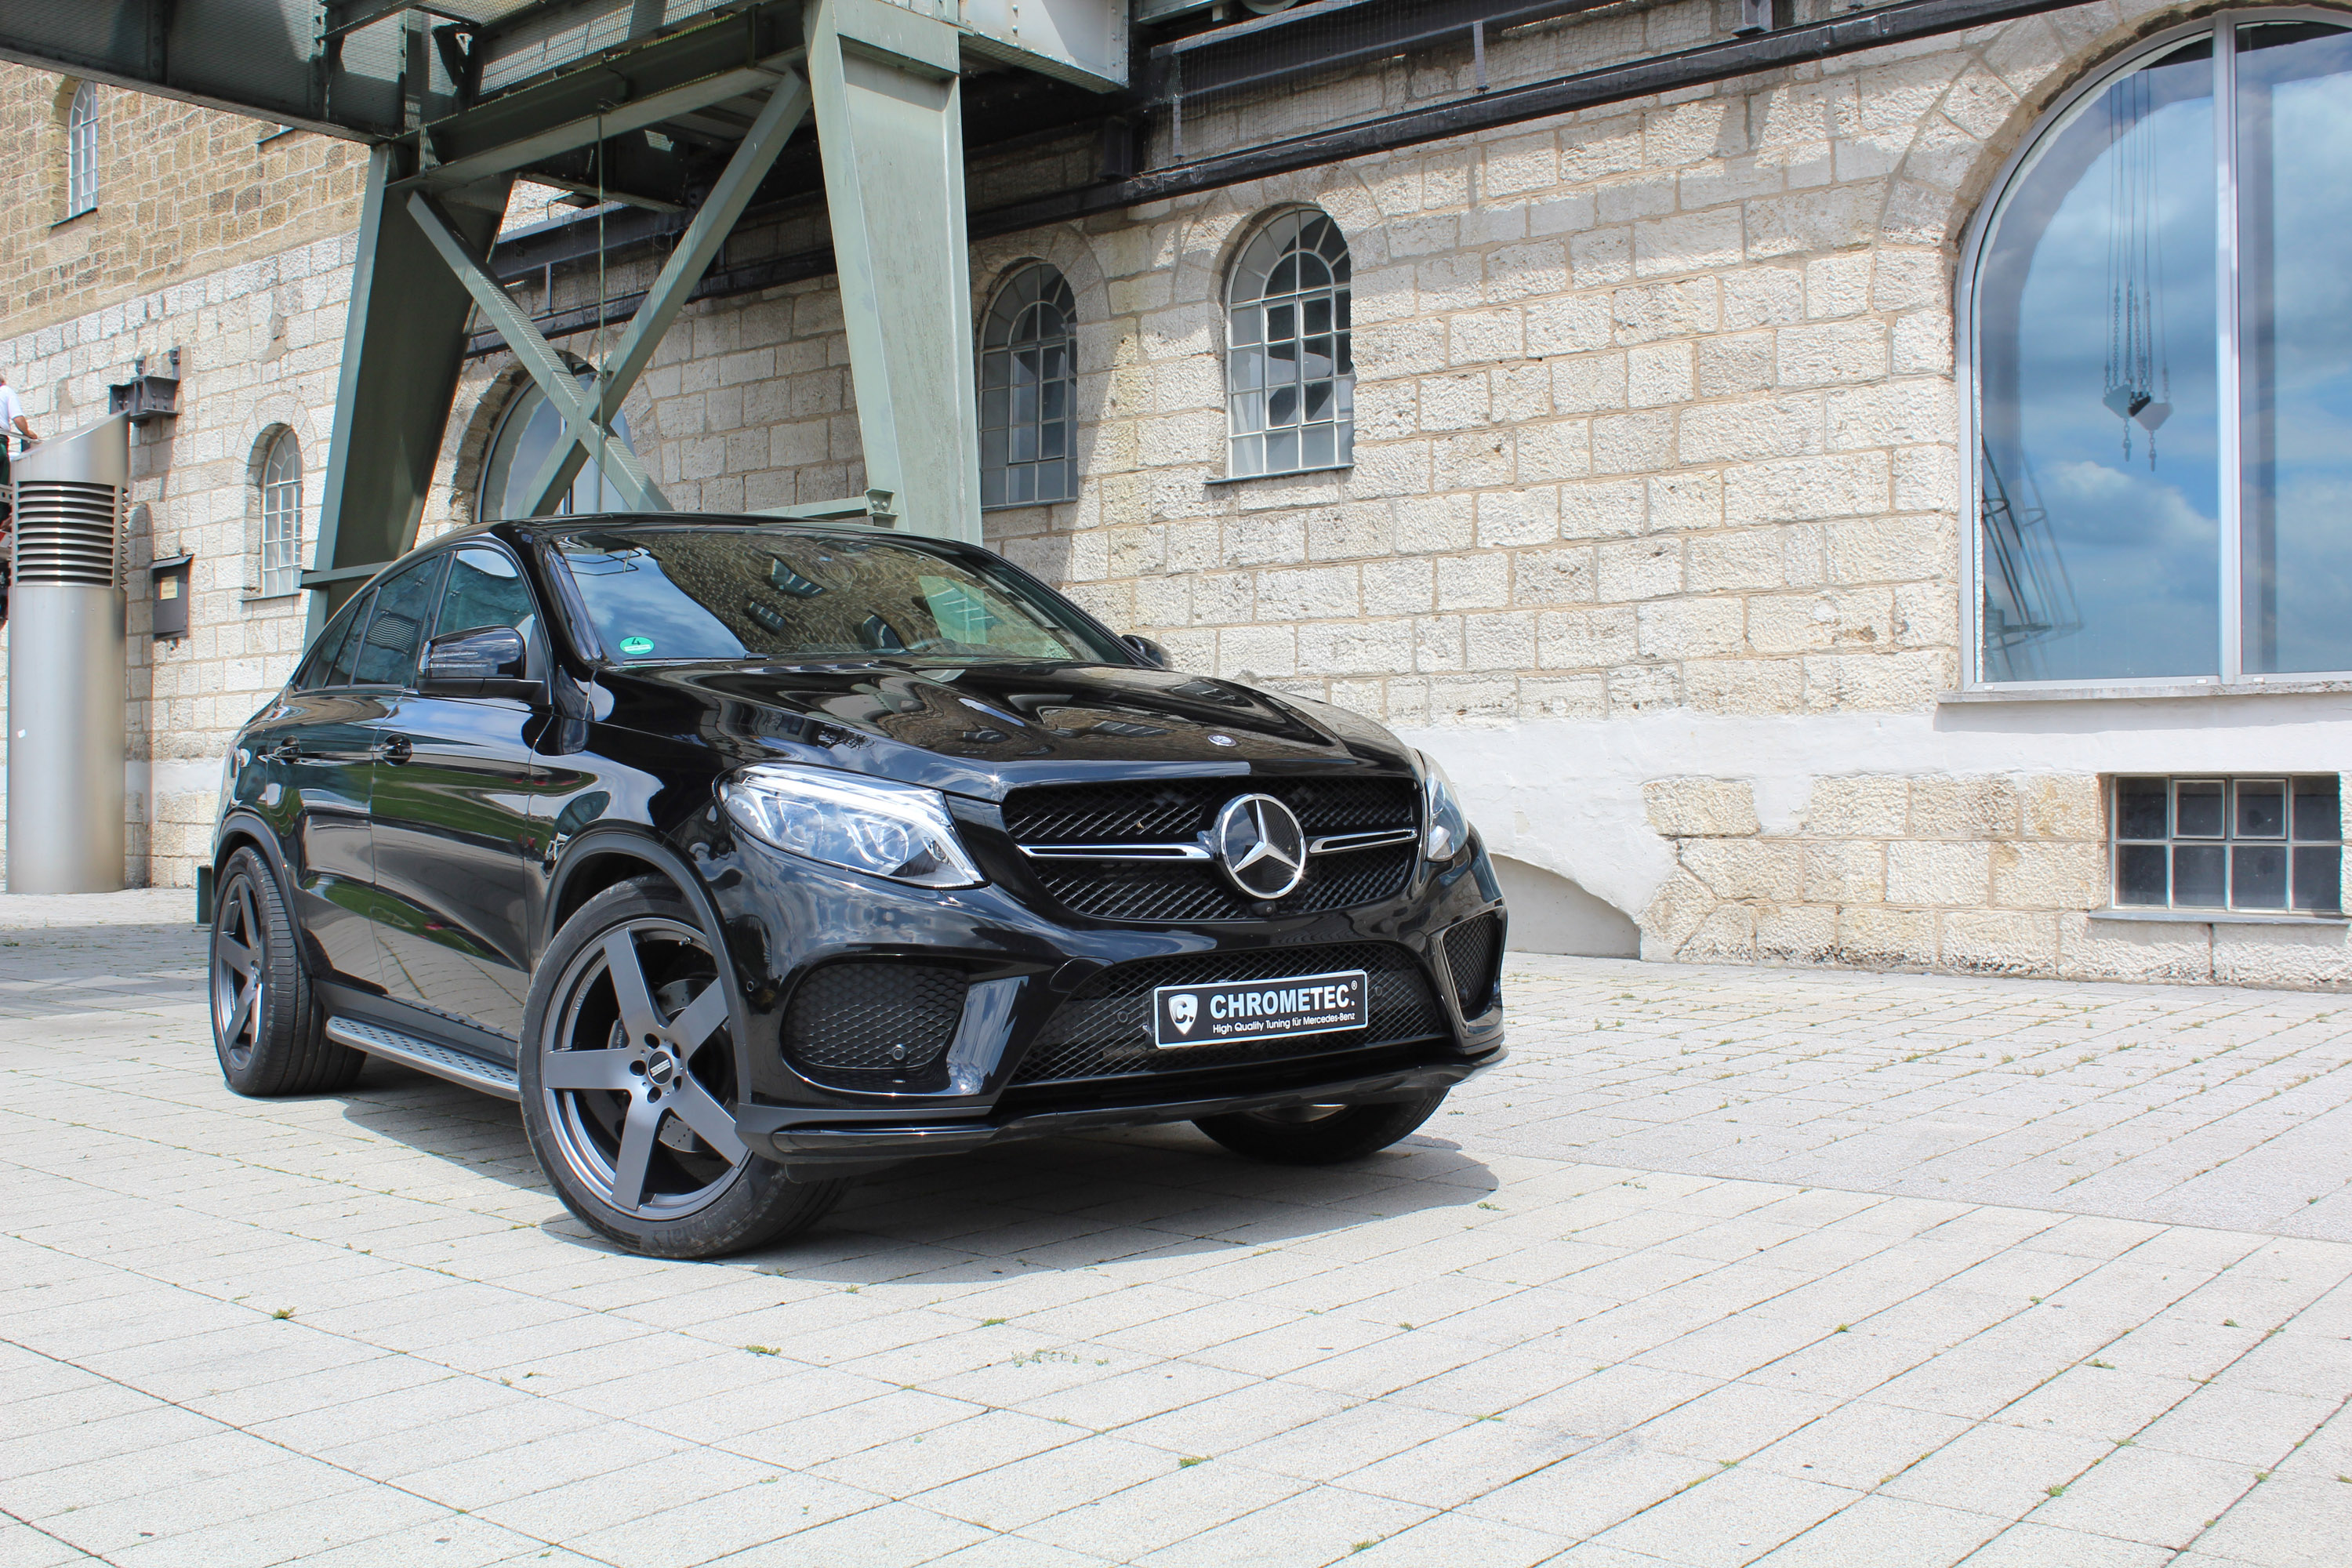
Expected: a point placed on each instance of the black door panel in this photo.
(324, 754)
(452, 806)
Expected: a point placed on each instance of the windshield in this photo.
(732, 593)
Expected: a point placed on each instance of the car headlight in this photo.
(899, 831)
(1448, 832)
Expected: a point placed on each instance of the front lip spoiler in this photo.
(770, 1131)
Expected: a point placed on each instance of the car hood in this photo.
(983, 730)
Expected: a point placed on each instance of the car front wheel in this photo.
(628, 1082)
(1320, 1134)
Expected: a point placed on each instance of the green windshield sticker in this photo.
(637, 648)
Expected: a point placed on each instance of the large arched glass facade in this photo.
(527, 433)
(2161, 326)
(1290, 371)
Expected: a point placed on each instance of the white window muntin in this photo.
(1290, 392)
(282, 516)
(2229, 392)
(81, 151)
(1028, 392)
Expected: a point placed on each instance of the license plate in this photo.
(1224, 1011)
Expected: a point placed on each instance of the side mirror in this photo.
(488, 661)
(1149, 652)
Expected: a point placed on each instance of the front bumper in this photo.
(823, 1149)
(1027, 968)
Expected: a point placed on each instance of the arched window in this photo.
(1290, 377)
(2161, 330)
(1028, 392)
(527, 433)
(81, 151)
(281, 515)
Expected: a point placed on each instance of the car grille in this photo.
(1473, 952)
(1178, 811)
(874, 1023)
(1104, 1030)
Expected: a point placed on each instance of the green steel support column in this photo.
(404, 344)
(890, 136)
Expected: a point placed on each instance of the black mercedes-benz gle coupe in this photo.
(750, 857)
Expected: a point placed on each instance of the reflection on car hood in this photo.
(983, 728)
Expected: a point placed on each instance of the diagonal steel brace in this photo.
(787, 105)
(547, 368)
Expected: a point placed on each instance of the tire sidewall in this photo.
(757, 1204)
(287, 1023)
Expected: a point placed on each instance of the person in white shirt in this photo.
(12, 422)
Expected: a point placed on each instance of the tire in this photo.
(1320, 1134)
(269, 1029)
(627, 1071)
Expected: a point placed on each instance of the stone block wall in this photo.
(1987, 874)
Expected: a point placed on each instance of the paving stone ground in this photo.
(1725, 1267)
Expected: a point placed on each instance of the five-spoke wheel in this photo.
(628, 1075)
(268, 1028)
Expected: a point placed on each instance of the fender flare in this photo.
(639, 843)
(248, 827)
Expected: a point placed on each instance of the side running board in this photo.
(426, 1055)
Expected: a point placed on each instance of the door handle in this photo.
(394, 749)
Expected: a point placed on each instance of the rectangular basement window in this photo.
(2268, 846)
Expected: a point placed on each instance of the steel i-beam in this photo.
(890, 137)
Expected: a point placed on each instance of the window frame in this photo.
(1341, 330)
(1069, 343)
(81, 151)
(2227, 840)
(2228, 389)
(289, 576)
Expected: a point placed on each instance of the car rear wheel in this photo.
(629, 1084)
(1320, 1134)
(267, 1025)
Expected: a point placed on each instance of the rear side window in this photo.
(387, 652)
(319, 669)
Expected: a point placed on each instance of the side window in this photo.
(486, 589)
(319, 664)
(388, 653)
(347, 652)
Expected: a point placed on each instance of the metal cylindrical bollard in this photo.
(66, 728)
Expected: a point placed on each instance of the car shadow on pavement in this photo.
(1042, 1203)
(47, 971)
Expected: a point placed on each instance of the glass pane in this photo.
(2141, 807)
(1249, 455)
(991, 449)
(1315, 450)
(1317, 360)
(1057, 399)
(2095, 339)
(1249, 413)
(995, 369)
(991, 484)
(2197, 809)
(339, 672)
(1053, 438)
(1318, 314)
(1246, 325)
(1281, 321)
(1024, 443)
(1247, 369)
(1284, 279)
(2258, 877)
(1282, 406)
(395, 633)
(1024, 405)
(1319, 400)
(485, 589)
(2139, 874)
(2261, 810)
(995, 409)
(1281, 451)
(2294, 205)
(2197, 875)
(2318, 874)
(1021, 484)
(2315, 814)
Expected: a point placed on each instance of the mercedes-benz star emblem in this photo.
(1261, 846)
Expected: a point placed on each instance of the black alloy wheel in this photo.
(628, 1080)
(267, 1027)
(1320, 1134)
